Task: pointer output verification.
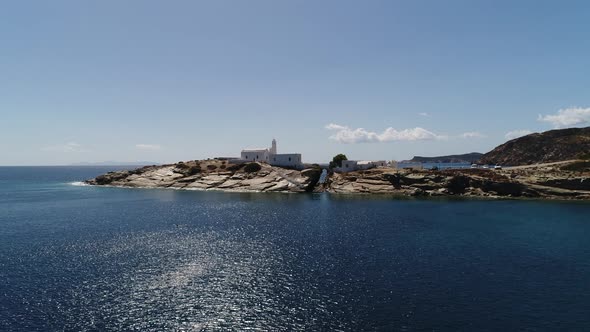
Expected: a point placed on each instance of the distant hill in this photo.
(457, 158)
(116, 163)
(549, 146)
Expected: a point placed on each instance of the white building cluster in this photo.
(271, 156)
(358, 165)
(293, 160)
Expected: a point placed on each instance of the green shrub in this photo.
(181, 165)
(337, 160)
(211, 167)
(252, 167)
(222, 166)
(234, 167)
(194, 170)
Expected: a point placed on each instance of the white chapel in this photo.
(270, 156)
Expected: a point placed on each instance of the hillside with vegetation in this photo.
(546, 147)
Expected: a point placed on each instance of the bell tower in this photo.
(273, 148)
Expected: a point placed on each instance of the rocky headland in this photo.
(545, 147)
(214, 175)
(564, 180)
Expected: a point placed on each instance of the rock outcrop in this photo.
(213, 174)
(549, 146)
(535, 182)
(565, 181)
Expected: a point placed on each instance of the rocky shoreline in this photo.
(564, 181)
(213, 174)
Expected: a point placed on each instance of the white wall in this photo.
(380, 163)
(348, 166)
(286, 159)
(255, 155)
(364, 166)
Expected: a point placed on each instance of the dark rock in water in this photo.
(572, 184)
(458, 183)
(549, 146)
(418, 192)
(504, 188)
(111, 177)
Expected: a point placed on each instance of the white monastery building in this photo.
(270, 156)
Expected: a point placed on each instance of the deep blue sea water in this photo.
(78, 258)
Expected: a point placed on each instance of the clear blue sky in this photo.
(177, 80)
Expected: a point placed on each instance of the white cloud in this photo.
(148, 146)
(424, 114)
(517, 133)
(67, 147)
(333, 126)
(472, 134)
(345, 134)
(568, 117)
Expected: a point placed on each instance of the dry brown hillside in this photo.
(549, 146)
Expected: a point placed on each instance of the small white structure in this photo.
(255, 155)
(286, 159)
(358, 165)
(270, 156)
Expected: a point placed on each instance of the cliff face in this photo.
(458, 158)
(549, 146)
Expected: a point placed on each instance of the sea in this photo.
(435, 165)
(84, 258)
